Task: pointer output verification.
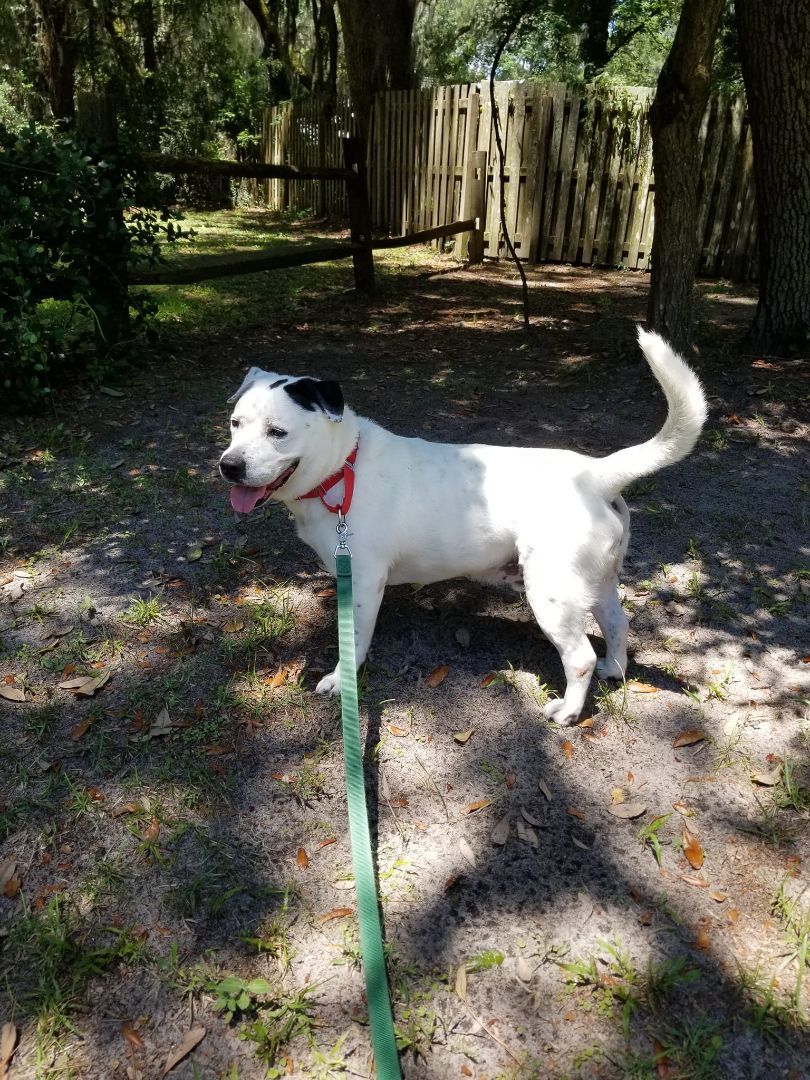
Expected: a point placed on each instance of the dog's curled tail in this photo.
(685, 419)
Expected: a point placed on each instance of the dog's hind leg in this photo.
(561, 615)
(613, 623)
(608, 610)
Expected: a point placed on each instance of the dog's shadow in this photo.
(475, 630)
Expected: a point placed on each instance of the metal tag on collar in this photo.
(342, 529)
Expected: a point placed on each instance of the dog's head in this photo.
(278, 424)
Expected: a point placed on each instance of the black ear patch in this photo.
(323, 394)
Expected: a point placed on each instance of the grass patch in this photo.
(55, 956)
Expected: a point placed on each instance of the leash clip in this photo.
(342, 529)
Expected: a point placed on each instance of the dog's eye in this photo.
(275, 433)
(234, 423)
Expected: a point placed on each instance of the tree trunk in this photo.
(675, 117)
(594, 48)
(377, 38)
(278, 44)
(57, 56)
(775, 53)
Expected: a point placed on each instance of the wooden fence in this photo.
(578, 183)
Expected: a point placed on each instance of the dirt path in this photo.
(178, 833)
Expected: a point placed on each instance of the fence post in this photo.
(96, 119)
(359, 214)
(475, 189)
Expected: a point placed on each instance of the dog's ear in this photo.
(323, 394)
(248, 381)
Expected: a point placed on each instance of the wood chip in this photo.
(463, 737)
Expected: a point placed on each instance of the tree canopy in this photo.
(190, 73)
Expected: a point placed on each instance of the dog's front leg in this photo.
(368, 586)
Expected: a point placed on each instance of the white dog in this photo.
(421, 511)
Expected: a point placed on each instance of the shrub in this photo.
(71, 215)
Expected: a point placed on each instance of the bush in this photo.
(70, 221)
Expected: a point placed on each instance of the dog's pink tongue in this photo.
(243, 499)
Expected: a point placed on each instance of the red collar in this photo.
(346, 474)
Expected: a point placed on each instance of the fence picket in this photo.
(578, 177)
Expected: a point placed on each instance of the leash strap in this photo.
(383, 1041)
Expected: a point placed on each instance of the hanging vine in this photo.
(510, 28)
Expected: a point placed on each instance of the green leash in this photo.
(383, 1041)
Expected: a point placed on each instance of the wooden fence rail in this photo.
(578, 182)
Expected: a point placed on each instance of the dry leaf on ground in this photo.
(80, 729)
(544, 788)
(768, 779)
(301, 859)
(397, 731)
(627, 809)
(500, 834)
(161, 725)
(526, 833)
(9, 882)
(466, 851)
(524, 969)
(692, 850)
(461, 981)
(479, 804)
(642, 688)
(152, 831)
(190, 1040)
(463, 736)
(687, 738)
(336, 913)
(8, 1044)
(568, 749)
(12, 693)
(131, 1035)
(437, 676)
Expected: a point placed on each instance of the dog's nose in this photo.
(232, 469)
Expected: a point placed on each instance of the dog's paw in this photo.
(608, 668)
(556, 711)
(329, 685)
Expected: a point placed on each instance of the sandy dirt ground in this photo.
(176, 830)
